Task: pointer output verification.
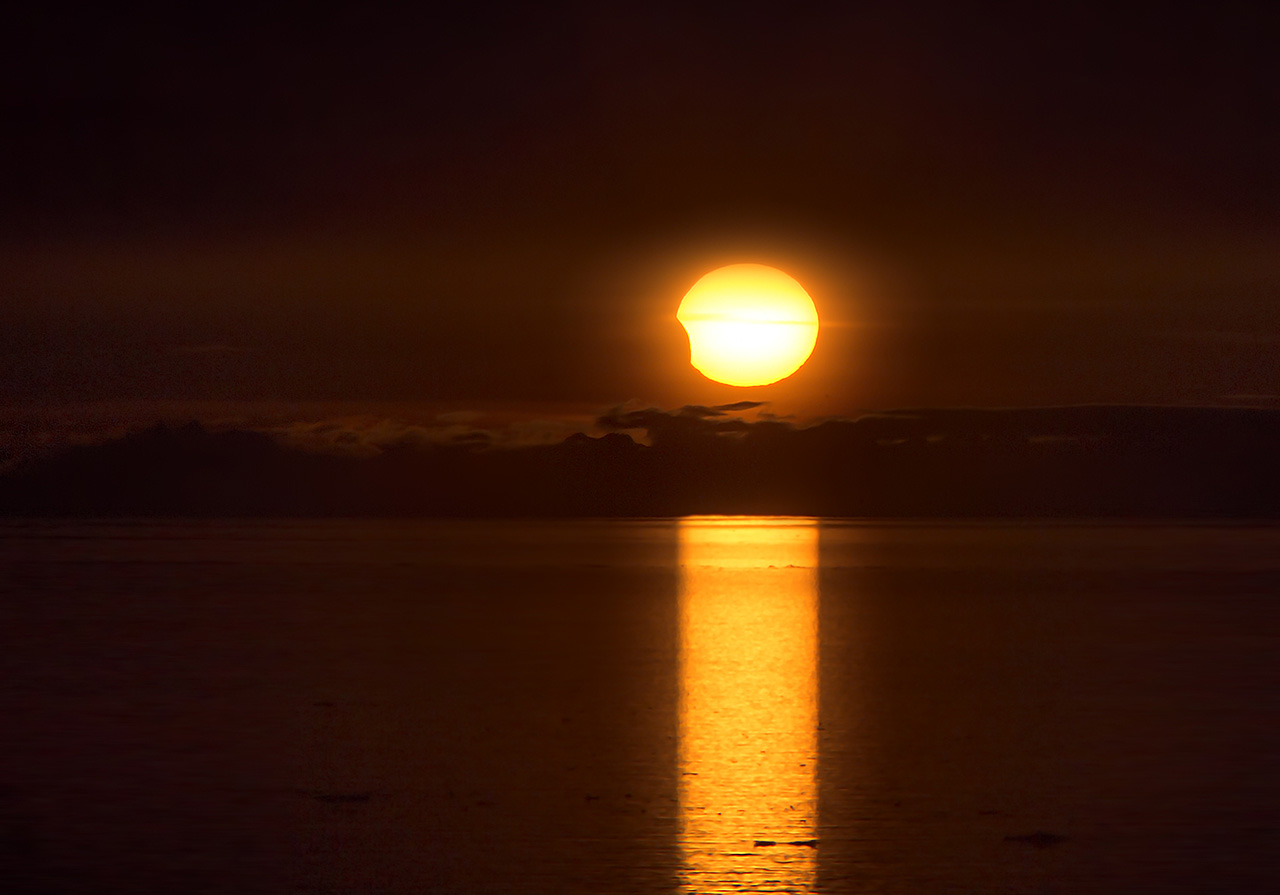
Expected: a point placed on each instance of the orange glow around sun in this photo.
(748, 324)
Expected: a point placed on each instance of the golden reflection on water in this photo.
(748, 703)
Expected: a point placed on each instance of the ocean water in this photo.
(692, 705)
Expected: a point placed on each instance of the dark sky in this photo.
(1005, 205)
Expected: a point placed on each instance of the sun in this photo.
(748, 324)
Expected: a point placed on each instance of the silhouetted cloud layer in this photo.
(1069, 461)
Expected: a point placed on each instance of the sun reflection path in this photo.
(748, 704)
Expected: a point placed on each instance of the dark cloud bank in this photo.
(1071, 462)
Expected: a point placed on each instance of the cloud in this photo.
(662, 427)
(370, 436)
(720, 409)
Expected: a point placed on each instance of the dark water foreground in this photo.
(695, 705)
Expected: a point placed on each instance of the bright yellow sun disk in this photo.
(748, 324)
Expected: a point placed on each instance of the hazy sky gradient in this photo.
(1003, 206)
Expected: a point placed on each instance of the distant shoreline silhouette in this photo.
(1077, 462)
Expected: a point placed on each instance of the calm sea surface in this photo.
(696, 705)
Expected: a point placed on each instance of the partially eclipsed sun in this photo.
(748, 324)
